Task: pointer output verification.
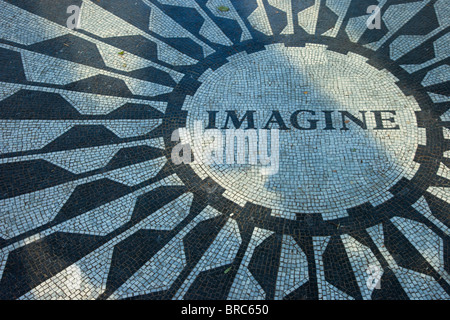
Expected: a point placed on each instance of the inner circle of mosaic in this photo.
(355, 137)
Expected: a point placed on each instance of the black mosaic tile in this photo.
(338, 270)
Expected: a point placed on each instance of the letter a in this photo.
(185, 149)
(73, 22)
(374, 21)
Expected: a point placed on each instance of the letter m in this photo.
(238, 123)
(239, 148)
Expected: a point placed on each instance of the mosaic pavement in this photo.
(92, 207)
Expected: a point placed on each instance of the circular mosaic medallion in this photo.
(347, 134)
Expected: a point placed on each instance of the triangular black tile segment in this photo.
(245, 8)
(71, 48)
(101, 84)
(200, 238)
(186, 45)
(442, 88)
(212, 284)
(390, 288)
(90, 196)
(327, 19)
(131, 254)
(404, 253)
(229, 27)
(424, 22)
(439, 208)
(137, 45)
(154, 200)
(309, 290)
(277, 18)
(34, 263)
(82, 137)
(338, 269)
(154, 75)
(135, 111)
(41, 8)
(421, 54)
(298, 6)
(265, 262)
(442, 182)
(128, 156)
(11, 67)
(37, 105)
(135, 13)
(246, 232)
(188, 18)
(23, 177)
(358, 8)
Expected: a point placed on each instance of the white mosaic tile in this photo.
(440, 192)
(307, 18)
(165, 26)
(358, 25)
(39, 133)
(441, 49)
(395, 17)
(361, 259)
(31, 210)
(208, 29)
(293, 270)
(212, 5)
(162, 269)
(221, 252)
(169, 216)
(285, 6)
(85, 103)
(340, 8)
(417, 286)
(429, 244)
(25, 28)
(406, 43)
(83, 280)
(157, 274)
(45, 69)
(438, 98)
(104, 24)
(245, 286)
(439, 75)
(422, 206)
(259, 20)
(85, 159)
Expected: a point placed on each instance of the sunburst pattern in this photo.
(91, 206)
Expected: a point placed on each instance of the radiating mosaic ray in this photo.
(29, 32)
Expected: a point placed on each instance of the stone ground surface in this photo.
(92, 207)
